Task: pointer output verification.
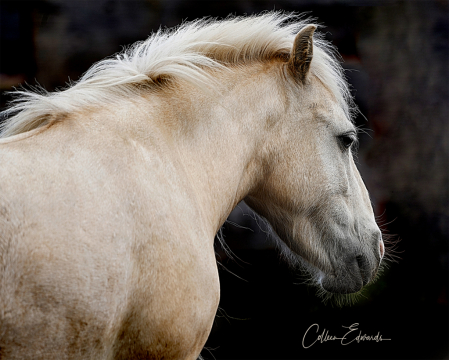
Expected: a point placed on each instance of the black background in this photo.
(399, 51)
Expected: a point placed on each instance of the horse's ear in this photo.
(302, 53)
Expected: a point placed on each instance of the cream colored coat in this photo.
(108, 214)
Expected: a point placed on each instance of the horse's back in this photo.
(91, 262)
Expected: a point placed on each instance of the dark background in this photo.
(398, 53)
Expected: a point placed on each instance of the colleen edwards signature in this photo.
(352, 334)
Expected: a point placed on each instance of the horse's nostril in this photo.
(360, 260)
(382, 249)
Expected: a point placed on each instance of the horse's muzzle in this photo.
(350, 277)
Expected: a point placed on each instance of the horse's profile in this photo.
(112, 190)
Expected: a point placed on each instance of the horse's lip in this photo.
(364, 275)
(350, 279)
(342, 285)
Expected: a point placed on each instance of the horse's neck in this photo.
(215, 142)
(219, 141)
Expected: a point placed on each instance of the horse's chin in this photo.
(347, 282)
(341, 285)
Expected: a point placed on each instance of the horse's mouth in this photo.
(350, 278)
(346, 285)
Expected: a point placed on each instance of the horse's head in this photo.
(312, 192)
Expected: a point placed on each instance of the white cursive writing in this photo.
(349, 337)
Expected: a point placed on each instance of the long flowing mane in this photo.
(187, 53)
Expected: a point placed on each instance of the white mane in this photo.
(187, 53)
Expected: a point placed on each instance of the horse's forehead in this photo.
(322, 107)
(322, 96)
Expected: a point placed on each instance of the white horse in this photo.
(111, 191)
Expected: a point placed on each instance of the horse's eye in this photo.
(346, 140)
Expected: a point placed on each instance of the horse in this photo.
(113, 189)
